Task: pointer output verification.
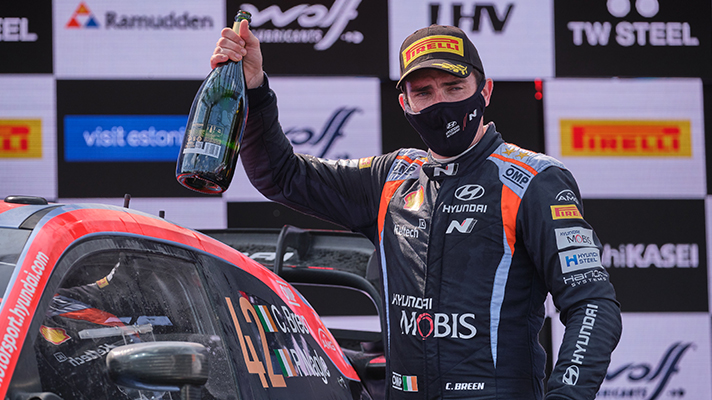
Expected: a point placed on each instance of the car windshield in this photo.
(114, 298)
(11, 243)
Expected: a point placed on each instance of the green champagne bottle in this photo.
(213, 134)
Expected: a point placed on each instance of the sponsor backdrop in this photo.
(94, 96)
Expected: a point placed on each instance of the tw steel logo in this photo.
(469, 192)
(625, 138)
(438, 325)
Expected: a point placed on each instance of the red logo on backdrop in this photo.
(82, 18)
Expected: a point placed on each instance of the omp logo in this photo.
(404, 383)
(470, 18)
(14, 29)
(433, 44)
(629, 33)
(312, 20)
(565, 212)
(469, 192)
(82, 18)
(626, 138)
(20, 138)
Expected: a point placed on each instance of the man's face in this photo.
(428, 86)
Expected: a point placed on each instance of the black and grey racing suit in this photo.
(469, 251)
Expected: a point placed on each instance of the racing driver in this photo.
(471, 235)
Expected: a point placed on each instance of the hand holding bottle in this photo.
(236, 47)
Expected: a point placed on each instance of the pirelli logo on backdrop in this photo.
(569, 211)
(433, 44)
(626, 138)
(20, 138)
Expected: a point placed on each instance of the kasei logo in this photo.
(84, 18)
(644, 380)
(668, 255)
(629, 33)
(315, 23)
(438, 325)
(318, 144)
(470, 18)
(21, 138)
(624, 138)
(16, 29)
(469, 192)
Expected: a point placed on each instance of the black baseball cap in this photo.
(442, 47)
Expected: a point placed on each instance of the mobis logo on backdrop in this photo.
(320, 37)
(630, 37)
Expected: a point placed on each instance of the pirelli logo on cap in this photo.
(626, 138)
(433, 44)
(568, 211)
(20, 138)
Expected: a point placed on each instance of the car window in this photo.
(11, 243)
(115, 297)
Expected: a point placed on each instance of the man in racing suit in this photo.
(471, 235)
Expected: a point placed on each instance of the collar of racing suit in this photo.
(442, 169)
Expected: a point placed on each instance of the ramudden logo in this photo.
(82, 18)
(626, 138)
(20, 138)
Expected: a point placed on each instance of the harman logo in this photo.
(13, 29)
(469, 192)
(464, 17)
(624, 138)
(20, 138)
(641, 33)
(312, 20)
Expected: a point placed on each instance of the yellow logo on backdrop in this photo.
(626, 138)
(20, 138)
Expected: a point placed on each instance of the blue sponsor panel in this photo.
(111, 138)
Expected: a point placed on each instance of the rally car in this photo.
(105, 302)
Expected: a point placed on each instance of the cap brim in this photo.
(460, 70)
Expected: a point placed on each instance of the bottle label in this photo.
(206, 141)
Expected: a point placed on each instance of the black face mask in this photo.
(448, 129)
